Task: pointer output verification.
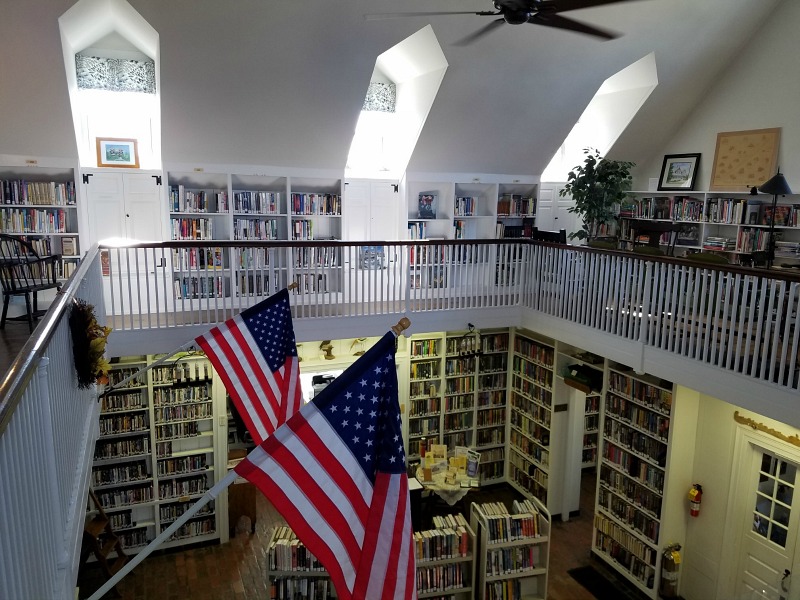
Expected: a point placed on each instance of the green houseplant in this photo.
(596, 186)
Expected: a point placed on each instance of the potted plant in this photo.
(596, 186)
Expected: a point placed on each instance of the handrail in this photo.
(16, 380)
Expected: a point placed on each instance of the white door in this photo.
(767, 553)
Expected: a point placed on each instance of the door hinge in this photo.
(158, 179)
(395, 187)
(86, 177)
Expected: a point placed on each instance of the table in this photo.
(450, 493)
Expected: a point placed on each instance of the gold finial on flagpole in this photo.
(401, 326)
(292, 286)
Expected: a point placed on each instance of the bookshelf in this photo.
(292, 571)
(735, 224)
(516, 210)
(157, 449)
(470, 209)
(445, 559)
(512, 550)
(457, 395)
(639, 503)
(530, 459)
(40, 204)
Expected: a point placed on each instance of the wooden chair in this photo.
(654, 230)
(24, 273)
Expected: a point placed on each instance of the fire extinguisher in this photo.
(670, 565)
(695, 496)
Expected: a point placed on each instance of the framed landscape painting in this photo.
(117, 152)
(678, 172)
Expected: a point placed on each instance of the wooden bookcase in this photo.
(639, 508)
(40, 204)
(158, 450)
(512, 550)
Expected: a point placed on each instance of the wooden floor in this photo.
(12, 338)
(236, 570)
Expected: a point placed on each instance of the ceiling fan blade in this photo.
(559, 22)
(382, 16)
(489, 27)
(557, 6)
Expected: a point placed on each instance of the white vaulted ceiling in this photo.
(280, 82)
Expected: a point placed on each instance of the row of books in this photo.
(464, 206)
(285, 552)
(262, 203)
(635, 493)
(117, 474)
(316, 204)
(255, 229)
(31, 220)
(443, 542)
(185, 259)
(183, 200)
(505, 527)
(192, 229)
(199, 287)
(19, 191)
(515, 205)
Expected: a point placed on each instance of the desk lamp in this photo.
(776, 186)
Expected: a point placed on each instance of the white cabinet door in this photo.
(124, 205)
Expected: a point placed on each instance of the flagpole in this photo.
(145, 552)
(164, 359)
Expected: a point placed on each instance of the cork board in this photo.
(744, 159)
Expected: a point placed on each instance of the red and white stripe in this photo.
(361, 535)
(264, 399)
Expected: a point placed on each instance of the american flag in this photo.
(255, 355)
(336, 472)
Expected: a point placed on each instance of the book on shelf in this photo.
(426, 207)
(751, 215)
(783, 214)
(688, 235)
(69, 246)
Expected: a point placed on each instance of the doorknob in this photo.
(786, 583)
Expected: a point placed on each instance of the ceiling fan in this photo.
(517, 12)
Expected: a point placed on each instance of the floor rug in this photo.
(600, 586)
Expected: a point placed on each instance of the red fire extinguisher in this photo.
(695, 496)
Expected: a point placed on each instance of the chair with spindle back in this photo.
(24, 273)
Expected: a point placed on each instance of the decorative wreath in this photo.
(88, 345)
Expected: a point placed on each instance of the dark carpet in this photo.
(600, 586)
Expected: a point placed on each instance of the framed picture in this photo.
(117, 152)
(678, 172)
(744, 159)
(427, 205)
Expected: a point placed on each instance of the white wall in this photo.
(759, 90)
(705, 572)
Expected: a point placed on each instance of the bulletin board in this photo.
(744, 159)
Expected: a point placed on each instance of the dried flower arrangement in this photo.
(88, 345)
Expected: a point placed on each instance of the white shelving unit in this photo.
(735, 224)
(512, 550)
(640, 498)
(41, 205)
(158, 450)
(531, 459)
(445, 558)
(457, 395)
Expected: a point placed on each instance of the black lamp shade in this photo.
(776, 186)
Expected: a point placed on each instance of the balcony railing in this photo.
(742, 321)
